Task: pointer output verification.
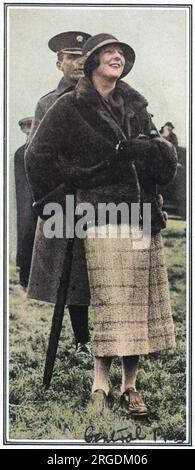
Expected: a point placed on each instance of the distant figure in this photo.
(166, 131)
(174, 194)
(26, 217)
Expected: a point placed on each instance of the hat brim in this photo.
(168, 124)
(129, 55)
(71, 51)
(25, 122)
(68, 41)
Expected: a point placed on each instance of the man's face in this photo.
(72, 66)
(26, 129)
(166, 131)
(112, 62)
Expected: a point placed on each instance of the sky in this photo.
(158, 36)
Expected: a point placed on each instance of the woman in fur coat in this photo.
(99, 143)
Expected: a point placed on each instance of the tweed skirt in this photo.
(130, 296)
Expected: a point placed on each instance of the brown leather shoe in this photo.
(133, 404)
(99, 402)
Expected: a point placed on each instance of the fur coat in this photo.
(74, 151)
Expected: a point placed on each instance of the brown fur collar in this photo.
(133, 99)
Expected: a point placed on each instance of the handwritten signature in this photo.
(125, 435)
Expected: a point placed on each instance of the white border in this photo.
(34, 443)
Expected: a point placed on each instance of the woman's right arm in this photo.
(64, 154)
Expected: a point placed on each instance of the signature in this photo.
(125, 435)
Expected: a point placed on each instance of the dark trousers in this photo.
(79, 321)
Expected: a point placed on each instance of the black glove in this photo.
(141, 146)
(155, 157)
(129, 149)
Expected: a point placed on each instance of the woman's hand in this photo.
(129, 149)
(155, 157)
(161, 139)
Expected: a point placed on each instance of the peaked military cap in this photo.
(169, 124)
(25, 121)
(70, 42)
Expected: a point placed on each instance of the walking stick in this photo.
(58, 315)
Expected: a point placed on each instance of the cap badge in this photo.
(79, 38)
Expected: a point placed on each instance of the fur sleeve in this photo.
(67, 150)
(155, 158)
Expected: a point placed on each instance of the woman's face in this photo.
(112, 62)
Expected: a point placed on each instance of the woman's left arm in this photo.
(153, 157)
(157, 158)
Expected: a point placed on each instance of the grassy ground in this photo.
(63, 412)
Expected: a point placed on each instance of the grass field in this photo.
(64, 412)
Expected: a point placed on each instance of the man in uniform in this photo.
(174, 194)
(68, 47)
(166, 131)
(26, 216)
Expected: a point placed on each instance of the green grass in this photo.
(63, 412)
